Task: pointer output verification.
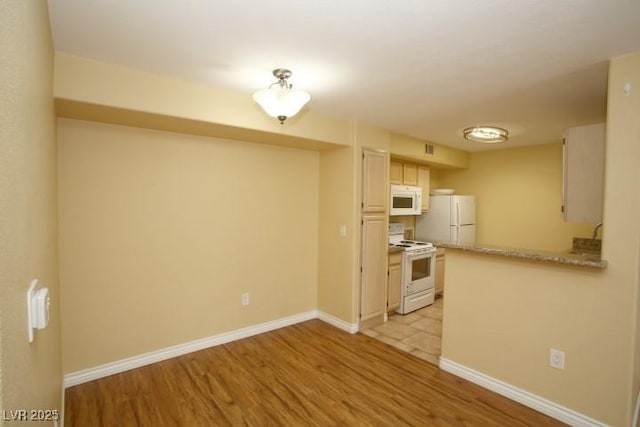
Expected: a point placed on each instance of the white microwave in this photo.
(405, 200)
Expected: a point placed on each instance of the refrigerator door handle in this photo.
(458, 214)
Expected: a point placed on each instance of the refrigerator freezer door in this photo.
(463, 234)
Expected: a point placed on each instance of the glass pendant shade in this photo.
(280, 100)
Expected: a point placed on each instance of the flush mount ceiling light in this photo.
(280, 100)
(486, 134)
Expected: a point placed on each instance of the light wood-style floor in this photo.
(309, 374)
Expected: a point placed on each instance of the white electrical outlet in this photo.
(556, 359)
(245, 298)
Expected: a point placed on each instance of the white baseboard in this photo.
(531, 400)
(123, 365)
(352, 328)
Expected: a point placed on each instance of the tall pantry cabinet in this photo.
(374, 244)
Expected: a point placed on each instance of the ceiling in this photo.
(423, 68)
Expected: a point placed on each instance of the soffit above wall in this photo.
(91, 90)
(104, 114)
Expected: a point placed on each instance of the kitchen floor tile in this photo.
(424, 341)
(406, 318)
(427, 324)
(402, 346)
(388, 340)
(433, 311)
(418, 333)
(395, 330)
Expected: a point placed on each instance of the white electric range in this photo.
(418, 270)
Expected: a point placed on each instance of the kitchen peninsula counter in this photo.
(591, 261)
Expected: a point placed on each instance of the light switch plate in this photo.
(30, 293)
(37, 308)
(40, 307)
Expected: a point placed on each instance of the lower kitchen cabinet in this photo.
(394, 281)
(439, 279)
(372, 278)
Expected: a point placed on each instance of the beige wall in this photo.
(622, 197)
(501, 316)
(161, 233)
(339, 258)
(30, 374)
(336, 253)
(434, 179)
(519, 195)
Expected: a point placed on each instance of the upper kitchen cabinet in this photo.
(374, 190)
(395, 172)
(583, 173)
(403, 173)
(410, 174)
(407, 173)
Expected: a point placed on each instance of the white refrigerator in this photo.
(450, 219)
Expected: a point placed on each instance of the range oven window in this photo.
(420, 268)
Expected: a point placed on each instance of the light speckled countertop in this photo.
(591, 261)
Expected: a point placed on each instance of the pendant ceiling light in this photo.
(486, 134)
(280, 100)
